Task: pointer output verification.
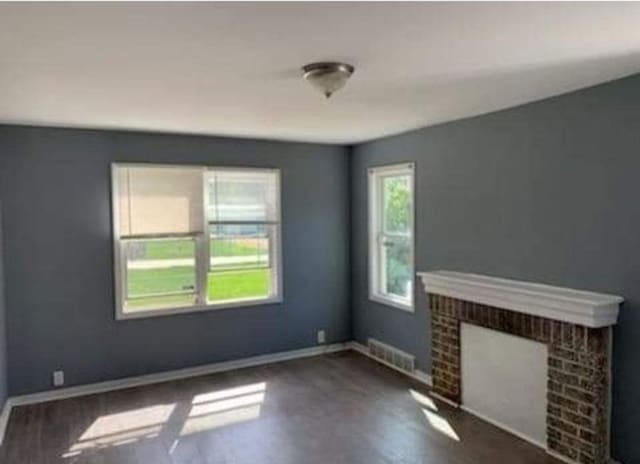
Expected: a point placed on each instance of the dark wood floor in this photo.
(339, 408)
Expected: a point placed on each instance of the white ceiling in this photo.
(233, 69)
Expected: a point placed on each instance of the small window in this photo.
(391, 235)
(191, 238)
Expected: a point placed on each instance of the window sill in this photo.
(391, 302)
(120, 315)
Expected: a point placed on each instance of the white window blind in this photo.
(242, 196)
(159, 200)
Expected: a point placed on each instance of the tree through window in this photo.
(391, 234)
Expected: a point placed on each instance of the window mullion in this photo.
(124, 270)
(243, 223)
(270, 264)
(382, 266)
(160, 236)
(394, 237)
(382, 253)
(202, 268)
(204, 248)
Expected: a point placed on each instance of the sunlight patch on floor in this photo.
(230, 393)
(423, 400)
(123, 427)
(440, 424)
(219, 409)
(207, 411)
(225, 405)
(219, 419)
(436, 421)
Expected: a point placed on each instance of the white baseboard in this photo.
(562, 458)
(128, 382)
(503, 427)
(523, 437)
(418, 375)
(137, 381)
(445, 400)
(4, 418)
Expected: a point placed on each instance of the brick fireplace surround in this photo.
(578, 369)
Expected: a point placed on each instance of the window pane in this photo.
(159, 199)
(241, 196)
(397, 204)
(398, 278)
(160, 274)
(240, 265)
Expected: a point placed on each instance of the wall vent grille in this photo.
(392, 356)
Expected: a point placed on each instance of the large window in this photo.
(191, 238)
(391, 235)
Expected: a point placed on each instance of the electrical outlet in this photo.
(58, 378)
(321, 337)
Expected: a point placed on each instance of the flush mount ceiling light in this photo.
(327, 77)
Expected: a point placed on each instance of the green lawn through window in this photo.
(237, 284)
(221, 285)
(171, 249)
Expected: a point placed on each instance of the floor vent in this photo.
(390, 355)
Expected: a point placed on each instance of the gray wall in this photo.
(3, 327)
(55, 189)
(545, 192)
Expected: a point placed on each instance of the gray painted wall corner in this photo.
(544, 192)
(55, 185)
(3, 328)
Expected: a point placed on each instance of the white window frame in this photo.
(201, 239)
(376, 176)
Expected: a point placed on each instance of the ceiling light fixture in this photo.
(327, 77)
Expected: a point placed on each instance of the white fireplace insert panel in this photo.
(504, 381)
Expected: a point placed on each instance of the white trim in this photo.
(375, 226)
(444, 399)
(246, 303)
(203, 251)
(4, 418)
(500, 425)
(563, 304)
(390, 301)
(118, 280)
(508, 429)
(560, 457)
(418, 375)
(129, 382)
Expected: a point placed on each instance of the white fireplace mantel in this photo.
(563, 304)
